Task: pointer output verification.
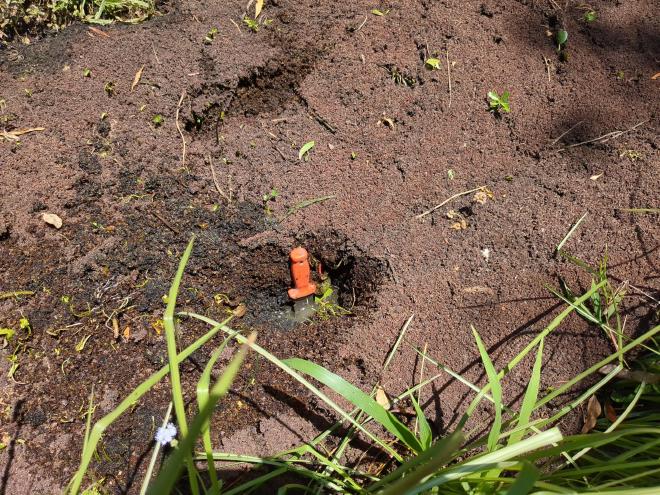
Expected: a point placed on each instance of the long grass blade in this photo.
(496, 389)
(172, 468)
(359, 399)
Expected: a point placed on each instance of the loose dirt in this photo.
(327, 72)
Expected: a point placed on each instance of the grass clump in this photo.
(24, 18)
(520, 451)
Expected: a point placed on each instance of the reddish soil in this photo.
(321, 71)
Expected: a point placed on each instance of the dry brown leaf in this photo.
(381, 398)
(136, 79)
(239, 311)
(98, 32)
(14, 135)
(655, 76)
(591, 414)
(52, 219)
(127, 333)
(610, 413)
(259, 4)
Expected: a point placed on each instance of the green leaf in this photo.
(525, 480)
(531, 394)
(7, 333)
(172, 467)
(562, 37)
(358, 398)
(496, 388)
(380, 13)
(433, 63)
(305, 149)
(425, 434)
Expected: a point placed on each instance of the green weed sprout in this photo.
(498, 103)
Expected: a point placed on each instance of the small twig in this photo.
(547, 66)
(280, 152)
(166, 223)
(563, 134)
(237, 26)
(457, 195)
(362, 25)
(605, 137)
(183, 139)
(153, 48)
(304, 204)
(448, 77)
(215, 181)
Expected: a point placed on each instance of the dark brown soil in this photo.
(321, 71)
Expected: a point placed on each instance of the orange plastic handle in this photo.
(300, 274)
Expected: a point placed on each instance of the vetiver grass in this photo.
(517, 455)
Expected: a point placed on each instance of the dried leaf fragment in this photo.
(596, 177)
(259, 4)
(381, 398)
(52, 219)
(240, 310)
(136, 79)
(591, 415)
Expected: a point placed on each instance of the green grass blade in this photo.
(425, 433)
(101, 425)
(300, 379)
(497, 460)
(359, 399)
(525, 480)
(203, 397)
(175, 377)
(172, 468)
(529, 400)
(419, 467)
(496, 388)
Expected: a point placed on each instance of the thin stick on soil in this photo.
(215, 182)
(564, 133)
(570, 233)
(166, 223)
(448, 77)
(178, 128)
(304, 204)
(457, 195)
(546, 60)
(606, 137)
(362, 25)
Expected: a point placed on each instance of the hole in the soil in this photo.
(264, 277)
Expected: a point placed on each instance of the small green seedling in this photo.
(353, 155)
(87, 73)
(109, 88)
(267, 198)
(304, 151)
(561, 38)
(158, 120)
(252, 24)
(450, 174)
(498, 103)
(432, 63)
(590, 16)
(210, 36)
